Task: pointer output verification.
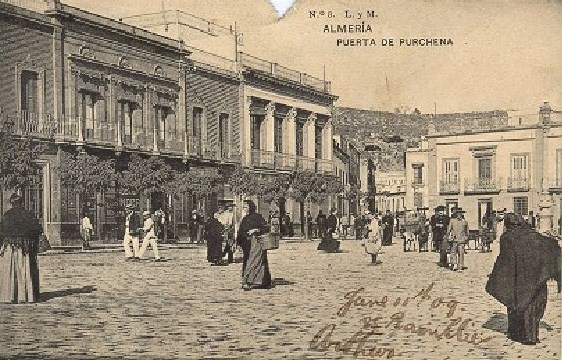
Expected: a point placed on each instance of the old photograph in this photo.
(280, 179)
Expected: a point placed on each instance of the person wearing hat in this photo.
(457, 233)
(388, 228)
(194, 222)
(328, 243)
(149, 236)
(131, 237)
(439, 224)
(525, 262)
(19, 241)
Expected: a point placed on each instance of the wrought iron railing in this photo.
(518, 183)
(99, 131)
(324, 166)
(482, 185)
(262, 158)
(448, 187)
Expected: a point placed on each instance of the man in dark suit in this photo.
(439, 224)
(388, 228)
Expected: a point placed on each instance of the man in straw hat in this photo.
(458, 235)
(131, 237)
(149, 236)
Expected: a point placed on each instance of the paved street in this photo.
(99, 306)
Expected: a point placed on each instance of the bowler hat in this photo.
(440, 208)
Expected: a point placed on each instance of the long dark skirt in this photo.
(214, 249)
(523, 325)
(387, 236)
(256, 268)
(328, 243)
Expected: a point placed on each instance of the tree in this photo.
(18, 157)
(145, 175)
(85, 172)
(308, 186)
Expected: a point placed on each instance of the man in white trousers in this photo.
(149, 236)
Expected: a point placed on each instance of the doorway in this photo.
(485, 206)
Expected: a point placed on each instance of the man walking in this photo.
(439, 225)
(388, 228)
(458, 234)
(149, 236)
(131, 236)
(86, 229)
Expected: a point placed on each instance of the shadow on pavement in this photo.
(281, 281)
(498, 323)
(49, 295)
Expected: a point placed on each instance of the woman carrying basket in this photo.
(255, 268)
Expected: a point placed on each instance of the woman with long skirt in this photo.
(19, 242)
(255, 268)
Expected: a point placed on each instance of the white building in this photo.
(518, 168)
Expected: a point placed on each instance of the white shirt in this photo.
(86, 224)
(148, 227)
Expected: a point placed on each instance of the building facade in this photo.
(390, 191)
(517, 168)
(79, 82)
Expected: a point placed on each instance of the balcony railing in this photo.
(482, 185)
(277, 70)
(418, 184)
(305, 163)
(554, 184)
(99, 131)
(262, 158)
(285, 161)
(447, 187)
(172, 141)
(25, 123)
(518, 184)
(324, 166)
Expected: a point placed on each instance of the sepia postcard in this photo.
(280, 179)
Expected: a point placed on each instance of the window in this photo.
(223, 135)
(418, 200)
(196, 130)
(485, 169)
(521, 205)
(418, 175)
(450, 171)
(278, 134)
(89, 113)
(29, 81)
(125, 116)
(519, 166)
(318, 142)
(300, 138)
(162, 123)
(255, 135)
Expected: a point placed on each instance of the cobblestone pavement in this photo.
(99, 306)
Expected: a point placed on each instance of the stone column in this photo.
(245, 131)
(290, 136)
(181, 107)
(151, 113)
(268, 143)
(309, 143)
(112, 113)
(58, 80)
(75, 114)
(327, 143)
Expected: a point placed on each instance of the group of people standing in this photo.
(450, 237)
(221, 230)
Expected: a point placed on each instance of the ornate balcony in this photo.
(482, 186)
(447, 187)
(324, 166)
(262, 158)
(305, 163)
(25, 123)
(518, 184)
(99, 132)
(172, 142)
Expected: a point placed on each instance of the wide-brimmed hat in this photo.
(458, 210)
(146, 213)
(440, 208)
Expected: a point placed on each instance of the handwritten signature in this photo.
(455, 329)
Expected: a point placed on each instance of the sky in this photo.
(506, 54)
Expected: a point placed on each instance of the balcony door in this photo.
(451, 171)
(125, 115)
(89, 114)
(29, 103)
(256, 129)
(197, 131)
(519, 170)
(485, 171)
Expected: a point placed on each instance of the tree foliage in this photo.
(307, 185)
(86, 172)
(18, 160)
(243, 182)
(146, 174)
(198, 181)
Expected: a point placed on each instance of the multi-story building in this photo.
(518, 168)
(390, 191)
(88, 83)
